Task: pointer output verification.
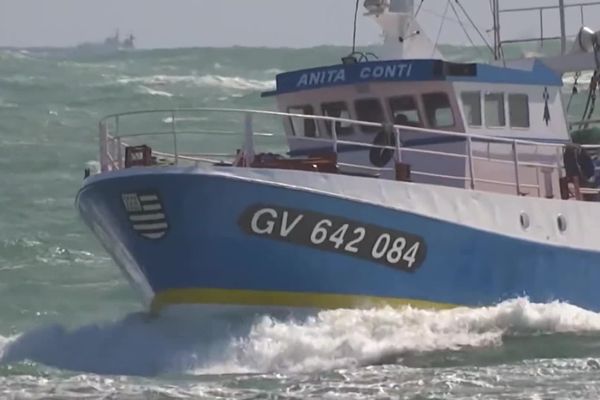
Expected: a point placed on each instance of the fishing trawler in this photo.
(110, 45)
(405, 181)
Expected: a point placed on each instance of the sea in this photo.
(72, 328)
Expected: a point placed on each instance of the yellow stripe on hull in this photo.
(283, 299)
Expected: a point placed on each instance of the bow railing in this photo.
(181, 137)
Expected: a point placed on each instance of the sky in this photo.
(271, 23)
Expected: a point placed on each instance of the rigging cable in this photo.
(414, 18)
(462, 25)
(591, 100)
(500, 49)
(437, 39)
(483, 39)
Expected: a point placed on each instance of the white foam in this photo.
(582, 81)
(330, 339)
(153, 92)
(336, 339)
(225, 82)
(5, 104)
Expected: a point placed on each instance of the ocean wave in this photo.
(153, 92)
(175, 343)
(5, 104)
(225, 82)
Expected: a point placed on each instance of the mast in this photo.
(563, 31)
(402, 34)
(395, 17)
(497, 37)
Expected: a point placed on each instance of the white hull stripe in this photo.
(148, 197)
(147, 217)
(151, 227)
(152, 207)
(154, 235)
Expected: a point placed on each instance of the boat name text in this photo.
(341, 75)
(381, 245)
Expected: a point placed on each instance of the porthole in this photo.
(525, 222)
(561, 221)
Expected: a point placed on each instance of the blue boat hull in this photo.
(223, 241)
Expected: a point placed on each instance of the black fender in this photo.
(380, 157)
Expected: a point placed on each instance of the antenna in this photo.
(354, 27)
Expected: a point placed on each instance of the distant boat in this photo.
(111, 44)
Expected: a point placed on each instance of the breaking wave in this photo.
(175, 343)
(218, 81)
(153, 92)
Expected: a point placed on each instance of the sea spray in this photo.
(240, 343)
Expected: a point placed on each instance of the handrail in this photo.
(553, 7)
(584, 122)
(112, 143)
(343, 120)
(541, 11)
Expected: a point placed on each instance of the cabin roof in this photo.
(411, 71)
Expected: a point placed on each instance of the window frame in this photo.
(328, 124)
(450, 107)
(485, 113)
(510, 122)
(415, 100)
(314, 121)
(370, 129)
(481, 108)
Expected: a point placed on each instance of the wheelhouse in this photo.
(422, 97)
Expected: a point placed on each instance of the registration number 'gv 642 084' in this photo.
(390, 247)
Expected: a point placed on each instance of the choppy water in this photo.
(70, 327)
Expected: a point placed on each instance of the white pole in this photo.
(248, 152)
(563, 30)
(103, 147)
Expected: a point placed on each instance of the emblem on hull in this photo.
(146, 214)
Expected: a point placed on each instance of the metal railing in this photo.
(541, 10)
(114, 140)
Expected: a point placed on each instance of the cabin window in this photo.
(405, 111)
(369, 110)
(518, 110)
(438, 110)
(494, 110)
(337, 109)
(303, 126)
(472, 107)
